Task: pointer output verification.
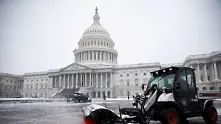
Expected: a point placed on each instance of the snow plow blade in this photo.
(96, 114)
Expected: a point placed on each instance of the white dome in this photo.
(96, 46)
(96, 29)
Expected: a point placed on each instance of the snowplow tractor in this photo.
(170, 97)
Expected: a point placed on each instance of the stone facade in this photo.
(208, 70)
(96, 72)
(11, 85)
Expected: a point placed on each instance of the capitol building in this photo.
(96, 72)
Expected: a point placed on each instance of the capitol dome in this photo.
(96, 47)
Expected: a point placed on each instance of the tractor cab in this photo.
(180, 81)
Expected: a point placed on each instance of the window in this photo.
(11, 81)
(121, 82)
(36, 85)
(212, 88)
(31, 85)
(204, 88)
(37, 79)
(166, 81)
(127, 75)
(41, 79)
(219, 88)
(135, 74)
(208, 77)
(6, 80)
(144, 73)
(136, 82)
(46, 86)
(46, 79)
(183, 81)
(31, 80)
(41, 85)
(121, 75)
(201, 78)
(128, 82)
(26, 86)
(190, 80)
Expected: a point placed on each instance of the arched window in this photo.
(204, 88)
(108, 94)
(94, 94)
(103, 94)
(121, 82)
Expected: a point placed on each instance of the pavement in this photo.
(64, 113)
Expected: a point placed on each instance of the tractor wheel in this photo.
(170, 116)
(210, 115)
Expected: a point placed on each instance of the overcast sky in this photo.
(39, 35)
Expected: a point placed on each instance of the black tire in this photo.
(210, 115)
(170, 116)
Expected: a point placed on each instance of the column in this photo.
(96, 55)
(72, 81)
(68, 86)
(64, 81)
(60, 81)
(215, 71)
(111, 80)
(96, 82)
(90, 80)
(205, 73)
(86, 82)
(106, 80)
(92, 55)
(101, 80)
(76, 79)
(103, 55)
(198, 73)
(80, 79)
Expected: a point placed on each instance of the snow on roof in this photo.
(172, 64)
(10, 75)
(138, 65)
(199, 56)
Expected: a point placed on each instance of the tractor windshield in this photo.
(162, 81)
